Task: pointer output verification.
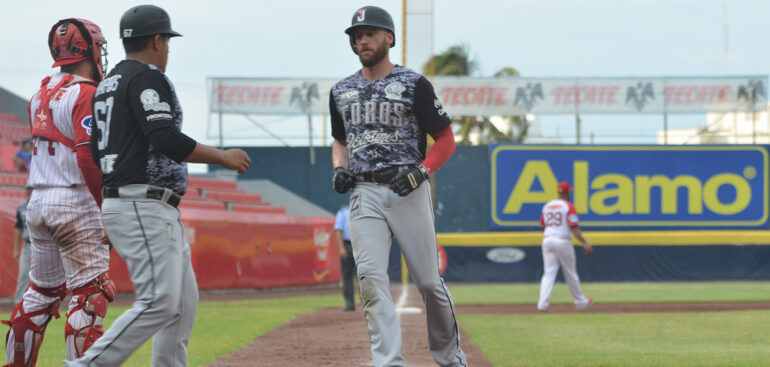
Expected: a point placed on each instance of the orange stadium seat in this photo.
(12, 193)
(201, 204)
(192, 193)
(19, 179)
(211, 183)
(234, 197)
(7, 151)
(250, 208)
(9, 117)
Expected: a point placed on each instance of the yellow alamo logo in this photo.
(615, 193)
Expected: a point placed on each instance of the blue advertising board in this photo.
(632, 186)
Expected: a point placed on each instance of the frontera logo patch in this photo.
(394, 90)
(151, 101)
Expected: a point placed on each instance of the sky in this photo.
(304, 38)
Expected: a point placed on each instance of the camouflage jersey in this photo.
(384, 123)
(129, 104)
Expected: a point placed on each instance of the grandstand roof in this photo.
(11, 103)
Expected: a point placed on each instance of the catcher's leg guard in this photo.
(84, 320)
(21, 322)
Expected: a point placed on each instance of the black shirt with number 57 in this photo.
(137, 137)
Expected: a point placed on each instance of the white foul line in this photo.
(401, 308)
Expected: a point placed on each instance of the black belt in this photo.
(383, 176)
(152, 193)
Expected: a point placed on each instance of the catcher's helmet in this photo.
(371, 16)
(145, 20)
(73, 40)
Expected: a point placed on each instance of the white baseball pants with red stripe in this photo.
(65, 227)
(559, 252)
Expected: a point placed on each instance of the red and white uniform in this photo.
(63, 218)
(557, 220)
(56, 164)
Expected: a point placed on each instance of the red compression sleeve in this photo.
(442, 149)
(91, 173)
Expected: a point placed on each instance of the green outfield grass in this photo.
(639, 339)
(739, 338)
(642, 339)
(220, 328)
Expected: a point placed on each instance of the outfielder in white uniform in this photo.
(68, 254)
(559, 221)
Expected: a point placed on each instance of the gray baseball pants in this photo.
(377, 214)
(22, 282)
(149, 237)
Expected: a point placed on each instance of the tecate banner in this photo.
(632, 186)
(467, 96)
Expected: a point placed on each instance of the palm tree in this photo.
(456, 61)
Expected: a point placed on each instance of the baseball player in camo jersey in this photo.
(63, 212)
(559, 221)
(380, 117)
(141, 149)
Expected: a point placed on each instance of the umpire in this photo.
(140, 148)
(347, 261)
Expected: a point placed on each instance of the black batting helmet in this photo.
(145, 20)
(371, 16)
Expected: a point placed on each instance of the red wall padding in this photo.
(229, 250)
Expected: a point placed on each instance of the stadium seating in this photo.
(250, 208)
(234, 196)
(202, 194)
(201, 204)
(13, 179)
(9, 117)
(211, 184)
(12, 129)
(192, 193)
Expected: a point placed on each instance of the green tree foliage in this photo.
(456, 61)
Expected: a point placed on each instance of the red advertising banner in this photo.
(229, 250)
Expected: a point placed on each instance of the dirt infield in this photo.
(332, 337)
(335, 338)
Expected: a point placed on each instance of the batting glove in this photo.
(408, 178)
(343, 180)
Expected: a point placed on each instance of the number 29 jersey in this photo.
(130, 103)
(557, 218)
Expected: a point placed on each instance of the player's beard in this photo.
(375, 57)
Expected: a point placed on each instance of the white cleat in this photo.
(587, 305)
